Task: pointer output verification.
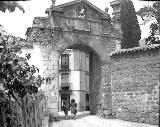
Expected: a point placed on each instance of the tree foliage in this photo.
(10, 5)
(129, 25)
(152, 39)
(16, 74)
(151, 12)
(17, 78)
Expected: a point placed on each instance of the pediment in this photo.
(80, 9)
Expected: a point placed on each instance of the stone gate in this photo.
(75, 25)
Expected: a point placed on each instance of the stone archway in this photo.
(59, 31)
(99, 74)
(99, 66)
(98, 46)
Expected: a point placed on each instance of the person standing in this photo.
(66, 107)
(73, 106)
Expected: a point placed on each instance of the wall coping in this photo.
(135, 49)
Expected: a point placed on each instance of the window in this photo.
(65, 61)
(65, 88)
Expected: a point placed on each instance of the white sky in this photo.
(17, 22)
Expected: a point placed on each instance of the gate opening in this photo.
(79, 77)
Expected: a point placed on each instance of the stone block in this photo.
(132, 109)
(152, 102)
(155, 107)
(152, 115)
(53, 116)
(133, 119)
(124, 116)
(142, 120)
(107, 112)
(157, 102)
(129, 93)
(151, 121)
(138, 114)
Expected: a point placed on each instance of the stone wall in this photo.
(44, 57)
(135, 86)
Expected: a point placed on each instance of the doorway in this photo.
(87, 102)
(63, 97)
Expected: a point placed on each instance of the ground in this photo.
(86, 120)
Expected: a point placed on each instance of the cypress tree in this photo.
(129, 25)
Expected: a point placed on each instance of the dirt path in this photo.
(95, 121)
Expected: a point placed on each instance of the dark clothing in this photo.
(73, 108)
(66, 107)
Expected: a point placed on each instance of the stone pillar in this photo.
(142, 43)
(106, 10)
(50, 73)
(106, 88)
(115, 4)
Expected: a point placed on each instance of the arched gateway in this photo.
(77, 25)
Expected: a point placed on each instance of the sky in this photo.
(17, 22)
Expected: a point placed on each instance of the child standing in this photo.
(73, 105)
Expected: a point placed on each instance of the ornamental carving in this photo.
(81, 11)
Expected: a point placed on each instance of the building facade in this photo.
(74, 78)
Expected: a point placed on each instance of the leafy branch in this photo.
(148, 13)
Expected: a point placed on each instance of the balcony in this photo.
(64, 69)
(65, 89)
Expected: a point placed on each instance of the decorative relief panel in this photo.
(82, 25)
(81, 11)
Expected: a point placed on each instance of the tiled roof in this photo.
(135, 49)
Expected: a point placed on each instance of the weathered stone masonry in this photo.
(62, 29)
(135, 84)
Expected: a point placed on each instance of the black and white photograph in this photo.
(79, 63)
